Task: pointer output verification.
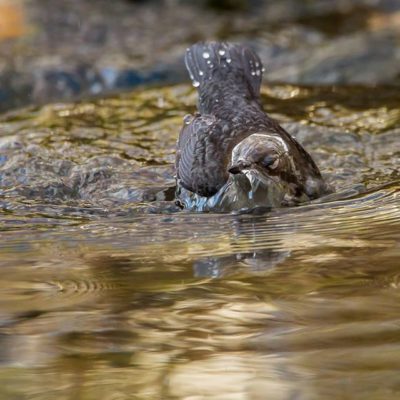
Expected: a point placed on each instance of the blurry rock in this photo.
(84, 48)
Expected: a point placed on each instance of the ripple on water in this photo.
(107, 289)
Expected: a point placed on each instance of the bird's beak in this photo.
(238, 167)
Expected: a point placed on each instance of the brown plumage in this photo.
(232, 135)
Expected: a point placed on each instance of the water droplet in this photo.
(201, 73)
(258, 72)
(221, 52)
(228, 60)
(253, 73)
(216, 100)
(211, 65)
(206, 55)
(262, 69)
(187, 119)
(257, 64)
(196, 83)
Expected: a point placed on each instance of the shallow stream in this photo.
(109, 291)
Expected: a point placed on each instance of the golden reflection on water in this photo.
(100, 301)
(376, 120)
(128, 312)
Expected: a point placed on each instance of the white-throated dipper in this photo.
(231, 155)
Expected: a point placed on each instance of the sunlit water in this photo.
(109, 291)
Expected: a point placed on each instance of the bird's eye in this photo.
(270, 162)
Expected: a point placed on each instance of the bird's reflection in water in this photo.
(251, 260)
(255, 262)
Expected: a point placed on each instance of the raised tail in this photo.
(219, 61)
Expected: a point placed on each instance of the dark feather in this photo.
(199, 162)
(228, 77)
(219, 62)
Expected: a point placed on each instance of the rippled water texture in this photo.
(109, 292)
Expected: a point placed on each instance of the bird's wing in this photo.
(200, 159)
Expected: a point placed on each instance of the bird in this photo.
(231, 155)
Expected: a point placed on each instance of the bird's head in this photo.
(266, 161)
(268, 155)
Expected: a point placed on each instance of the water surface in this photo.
(109, 291)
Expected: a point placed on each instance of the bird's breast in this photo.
(241, 191)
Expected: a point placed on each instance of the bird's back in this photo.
(228, 79)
